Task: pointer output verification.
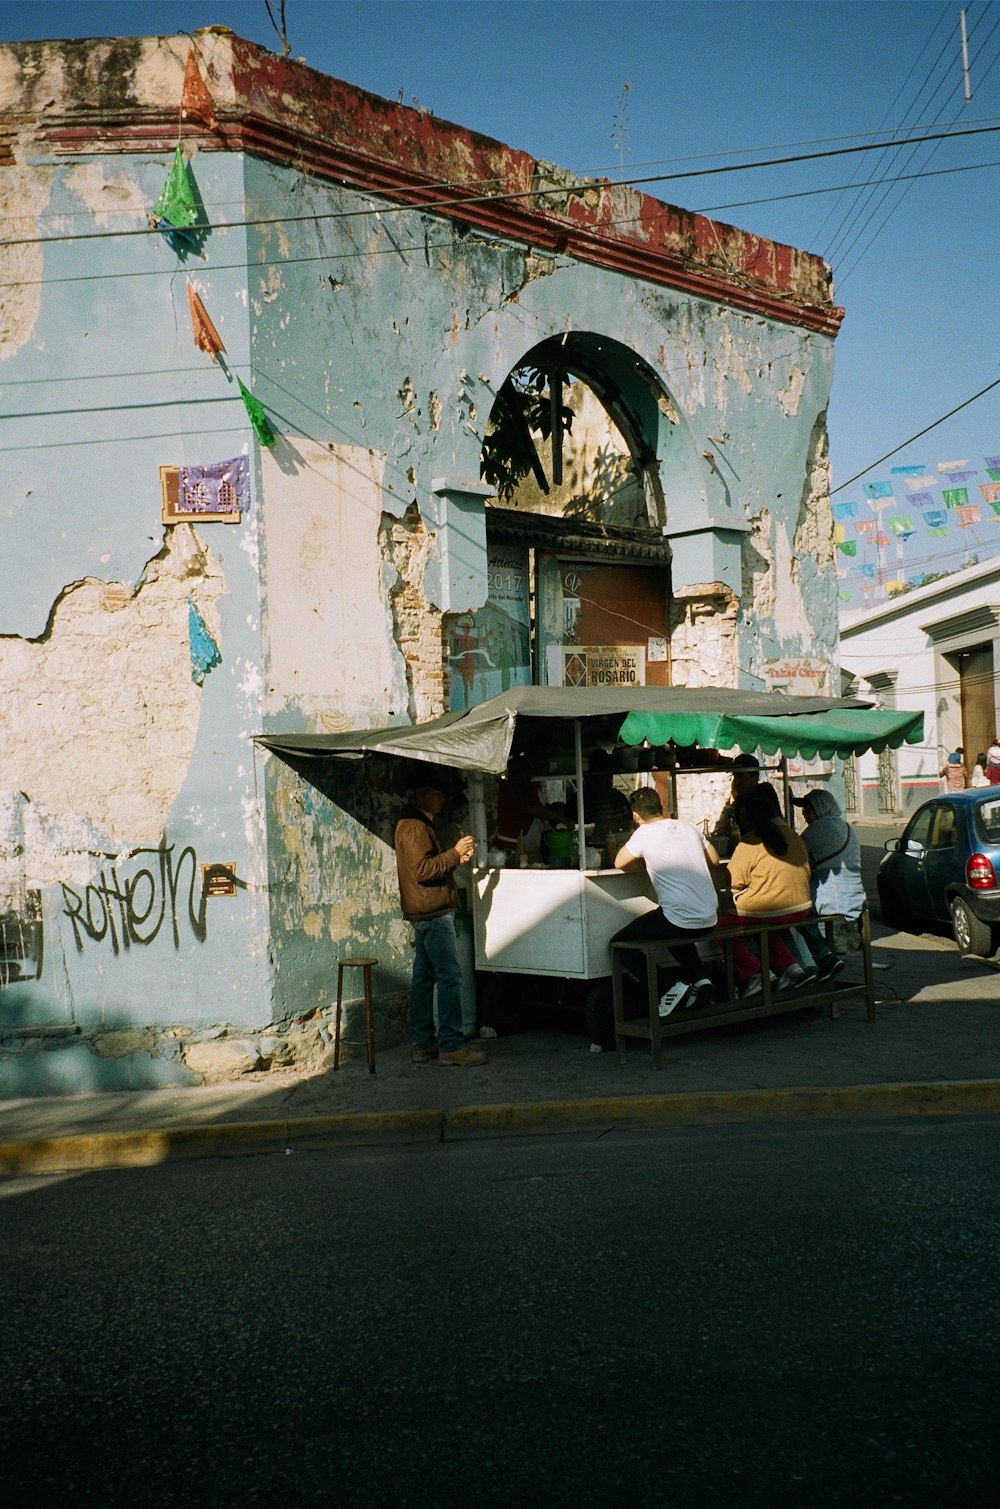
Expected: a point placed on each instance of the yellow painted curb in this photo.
(373, 1126)
(942, 1098)
(89, 1151)
(102, 1150)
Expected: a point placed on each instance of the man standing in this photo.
(677, 858)
(428, 899)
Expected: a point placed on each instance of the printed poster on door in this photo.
(600, 665)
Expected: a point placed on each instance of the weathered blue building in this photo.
(184, 568)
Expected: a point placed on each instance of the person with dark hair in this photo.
(429, 900)
(769, 879)
(746, 774)
(979, 776)
(677, 858)
(603, 804)
(520, 809)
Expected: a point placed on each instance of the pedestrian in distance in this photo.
(993, 762)
(429, 899)
(979, 777)
(953, 771)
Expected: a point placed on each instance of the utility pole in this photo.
(965, 56)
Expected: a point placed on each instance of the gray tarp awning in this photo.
(480, 738)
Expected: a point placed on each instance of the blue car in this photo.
(946, 869)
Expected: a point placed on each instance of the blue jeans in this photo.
(810, 945)
(436, 963)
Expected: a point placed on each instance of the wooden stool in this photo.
(366, 966)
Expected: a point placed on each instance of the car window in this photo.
(988, 820)
(944, 829)
(919, 830)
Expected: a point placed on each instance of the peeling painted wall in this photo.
(141, 658)
(130, 666)
(325, 615)
(111, 675)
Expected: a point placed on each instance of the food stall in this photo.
(557, 921)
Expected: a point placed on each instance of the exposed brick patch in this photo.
(416, 626)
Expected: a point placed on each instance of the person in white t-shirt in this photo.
(678, 859)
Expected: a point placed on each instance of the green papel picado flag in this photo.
(257, 417)
(176, 212)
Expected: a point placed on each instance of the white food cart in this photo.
(556, 923)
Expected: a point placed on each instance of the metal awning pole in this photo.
(581, 837)
(477, 815)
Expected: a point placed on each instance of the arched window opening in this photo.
(577, 565)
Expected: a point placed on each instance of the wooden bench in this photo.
(769, 1002)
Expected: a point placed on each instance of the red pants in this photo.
(745, 962)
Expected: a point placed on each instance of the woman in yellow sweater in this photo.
(769, 879)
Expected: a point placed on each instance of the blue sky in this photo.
(714, 83)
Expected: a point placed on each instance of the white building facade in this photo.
(936, 648)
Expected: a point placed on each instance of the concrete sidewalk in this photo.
(934, 1050)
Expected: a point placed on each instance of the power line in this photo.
(423, 245)
(924, 556)
(925, 431)
(885, 118)
(562, 190)
(781, 146)
(867, 246)
(742, 204)
(854, 210)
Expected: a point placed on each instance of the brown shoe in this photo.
(467, 1056)
(424, 1055)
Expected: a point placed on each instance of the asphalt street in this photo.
(752, 1315)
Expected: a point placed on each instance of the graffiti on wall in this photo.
(132, 910)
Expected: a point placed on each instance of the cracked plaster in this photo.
(107, 694)
(329, 645)
(24, 194)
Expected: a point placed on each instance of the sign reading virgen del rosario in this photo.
(603, 665)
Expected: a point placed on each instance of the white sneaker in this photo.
(672, 998)
(752, 987)
(793, 975)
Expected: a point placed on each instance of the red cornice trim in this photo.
(575, 231)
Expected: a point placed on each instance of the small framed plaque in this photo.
(219, 879)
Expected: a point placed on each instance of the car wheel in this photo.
(599, 1014)
(894, 913)
(971, 935)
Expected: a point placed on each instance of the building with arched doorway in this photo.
(331, 414)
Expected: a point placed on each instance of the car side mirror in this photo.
(891, 845)
(914, 848)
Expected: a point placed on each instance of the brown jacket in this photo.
(426, 886)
